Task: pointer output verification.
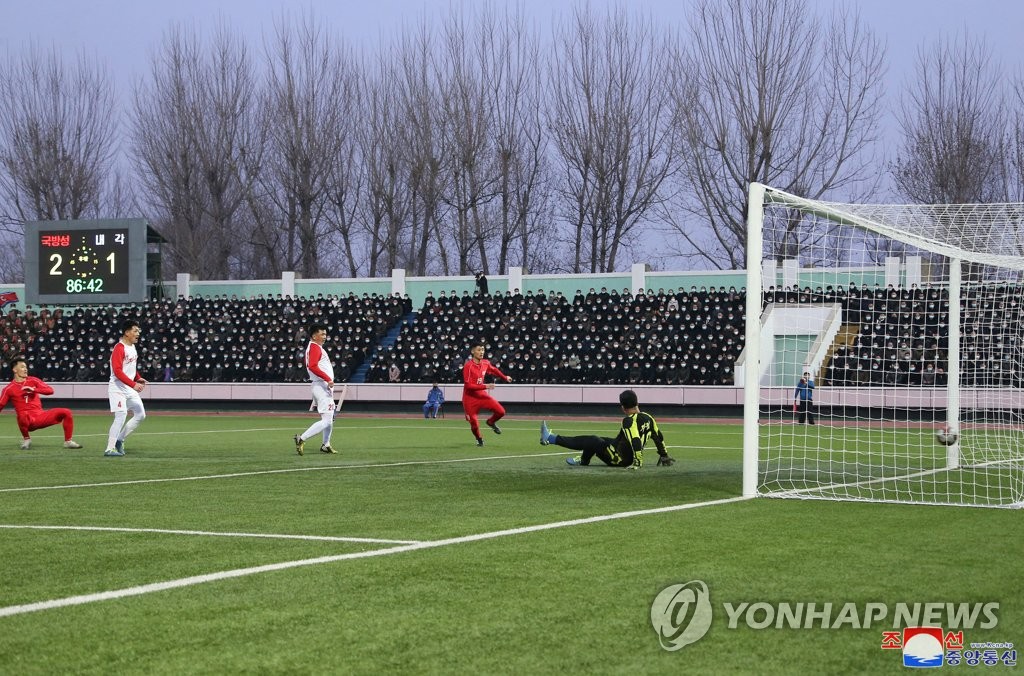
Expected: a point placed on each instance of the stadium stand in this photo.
(599, 337)
(218, 339)
(900, 336)
(892, 336)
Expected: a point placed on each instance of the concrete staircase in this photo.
(844, 338)
(387, 341)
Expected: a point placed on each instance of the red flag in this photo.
(7, 298)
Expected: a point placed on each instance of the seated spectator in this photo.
(435, 398)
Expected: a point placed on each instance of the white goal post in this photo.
(910, 321)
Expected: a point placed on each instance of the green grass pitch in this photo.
(414, 551)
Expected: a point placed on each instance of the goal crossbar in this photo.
(841, 215)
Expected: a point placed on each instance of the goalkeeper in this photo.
(626, 449)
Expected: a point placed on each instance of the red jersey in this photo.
(25, 402)
(473, 376)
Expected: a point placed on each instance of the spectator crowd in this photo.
(217, 339)
(899, 336)
(666, 338)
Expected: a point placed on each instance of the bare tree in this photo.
(766, 91)
(383, 211)
(608, 118)
(422, 141)
(308, 98)
(1017, 142)
(58, 126)
(348, 182)
(464, 71)
(197, 141)
(513, 94)
(955, 124)
(956, 137)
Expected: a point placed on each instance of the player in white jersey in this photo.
(321, 375)
(124, 388)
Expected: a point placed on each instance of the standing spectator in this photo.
(24, 391)
(124, 388)
(321, 376)
(435, 398)
(481, 283)
(474, 391)
(803, 398)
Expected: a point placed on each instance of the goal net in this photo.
(909, 323)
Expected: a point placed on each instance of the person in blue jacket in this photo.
(433, 404)
(803, 399)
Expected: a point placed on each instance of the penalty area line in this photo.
(168, 531)
(235, 475)
(285, 565)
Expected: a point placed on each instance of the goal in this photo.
(909, 320)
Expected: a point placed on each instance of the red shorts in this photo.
(474, 403)
(40, 419)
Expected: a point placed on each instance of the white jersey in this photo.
(318, 364)
(123, 364)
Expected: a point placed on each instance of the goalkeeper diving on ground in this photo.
(626, 449)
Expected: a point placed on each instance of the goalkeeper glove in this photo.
(665, 461)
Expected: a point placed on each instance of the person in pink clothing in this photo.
(475, 394)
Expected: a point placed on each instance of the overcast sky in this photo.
(124, 33)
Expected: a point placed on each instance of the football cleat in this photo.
(326, 448)
(113, 453)
(544, 433)
(71, 443)
(300, 444)
(578, 460)
(26, 444)
(479, 442)
(497, 430)
(119, 445)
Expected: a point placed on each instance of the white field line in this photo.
(287, 428)
(163, 434)
(429, 544)
(165, 531)
(234, 475)
(291, 427)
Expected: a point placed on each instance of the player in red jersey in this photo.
(23, 391)
(124, 388)
(474, 391)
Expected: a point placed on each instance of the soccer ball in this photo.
(945, 437)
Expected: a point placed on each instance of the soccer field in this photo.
(213, 548)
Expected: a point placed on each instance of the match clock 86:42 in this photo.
(85, 261)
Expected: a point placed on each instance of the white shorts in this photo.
(323, 399)
(123, 399)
